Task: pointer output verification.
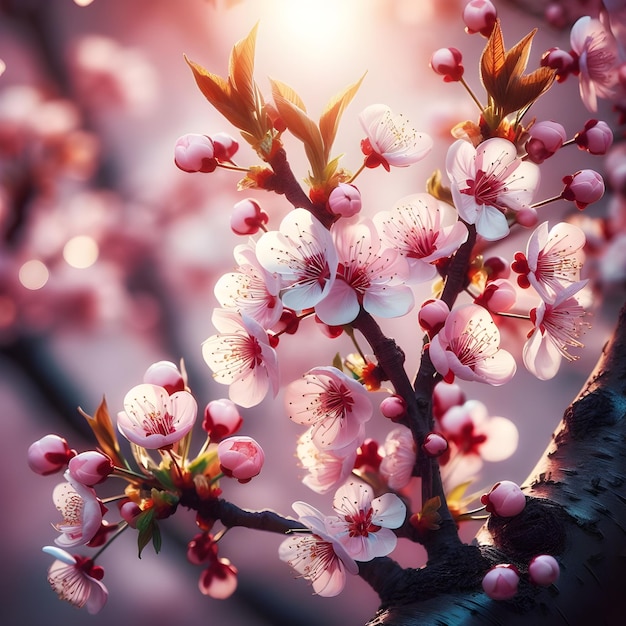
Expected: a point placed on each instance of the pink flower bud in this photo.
(445, 396)
(497, 267)
(432, 316)
(583, 188)
(563, 62)
(49, 455)
(499, 295)
(479, 17)
(240, 457)
(202, 548)
(543, 570)
(344, 200)
(434, 444)
(527, 217)
(165, 374)
(224, 146)
(545, 139)
(596, 137)
(90, 468)
(447, 62)
(505, 499)
(195, 153)
(129, 512)
(501, 581)
(221, 419)
(247, 217)
(393, 408)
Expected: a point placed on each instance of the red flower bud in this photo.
(247, 217)
(447, 63)
(479, 17)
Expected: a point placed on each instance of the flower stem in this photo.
(122, 527)
(472, 94)
(546, 201)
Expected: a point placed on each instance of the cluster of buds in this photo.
(157, 420)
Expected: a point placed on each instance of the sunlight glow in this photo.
(33, 274)
(81, 251)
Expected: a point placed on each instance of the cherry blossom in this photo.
(553, 259)
(468, 346)
(545, 138)
(479, 17)
(399, 457)
(391, 140)
(219, 579)
(251, 290)
(77, 580)
(49, 455)
(557, 327)
(364, 524)
(335, 405)
(303, 254)
(448, 62)
(488, 181)
(596, 137)
(326, 469)
(241, 356)
(317, 556)
(90, 468)
(598, 61)
(240, 457)
(194, 153)
(368, 275)
(81, 511)
(345, 200)
(583, 188)
(424, 230)
(153, 419)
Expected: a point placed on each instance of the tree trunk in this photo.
(576, 511)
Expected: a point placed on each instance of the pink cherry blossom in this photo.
(479, 17)
(399, 458)
(445, 396)
(543, 570)
(221, 419)
(303, 254)
(598, 60)
(501, 582)
(368, 275)
(596, 137)
(489, 181)
(90, 468)
(364, 524)
(390, 139)
(505, 499)
(583, 188)
(424, 230)
(326, 469)
(81, 511)
(546, 138)
(165, 374)
(553, 259)
(345, 200)
(335, 405)
(468, 346)
(153, 419)
(240, 457)
(77, 580)
(219, 579)
(247, 217)
(242, 357)
(557, 327)
(49, 455)
(317, 556)
(250, 290)
(194, 153)
(448, 62)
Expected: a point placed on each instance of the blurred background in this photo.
(109, 253)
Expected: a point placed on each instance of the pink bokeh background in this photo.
(174, 236)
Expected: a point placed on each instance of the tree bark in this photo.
(576, 511)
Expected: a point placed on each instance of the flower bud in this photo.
(445, 396)
(505, 499)
(543, 570)
(344, 200)
(130, 511)
(497, 267)
(434, 444)
(240, 457)
(90, 468)
(221, 419)
(596, 137)
(501, 581)
(393, 407)
(545, 139)
(247, 217)
(499, 295)
(224, 146)
(202, 548)
(561, 61)
(165, 374)
(527, 217)
(447, 62)
(583, 188)
(195, 153)
(479, 17)
(49, 455)
(432, 316)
